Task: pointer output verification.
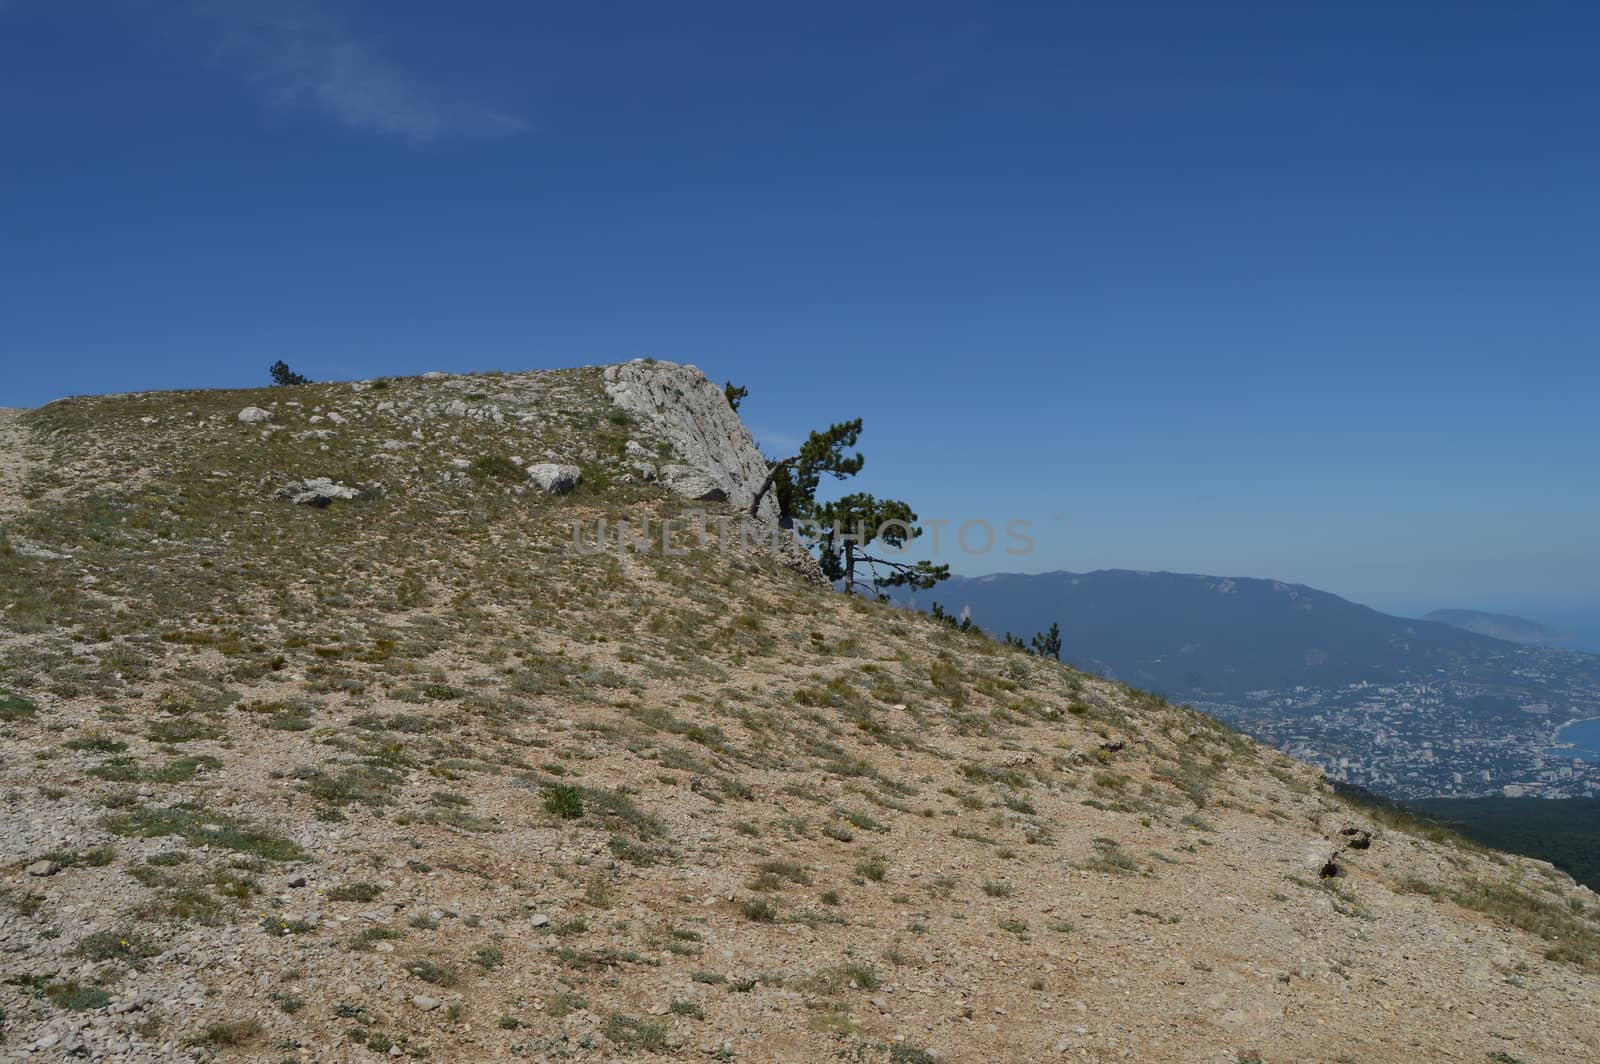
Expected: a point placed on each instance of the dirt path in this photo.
(14, 463)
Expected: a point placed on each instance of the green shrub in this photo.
(564, 800)
(496, 466)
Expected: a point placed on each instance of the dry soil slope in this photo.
(13, 460)
(414, 776)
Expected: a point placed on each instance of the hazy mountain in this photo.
(1207, 636)
(1499, 626)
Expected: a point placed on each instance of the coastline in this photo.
(1560, 747)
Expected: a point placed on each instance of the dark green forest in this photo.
(1563, 831)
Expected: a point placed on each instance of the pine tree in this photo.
(1048, 644)
(795, 479)
(852, 525)
(283, 375)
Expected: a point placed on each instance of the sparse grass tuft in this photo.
(851, 975)
(430, 972)
(354, 892)
(759, 910)
(230, 1033)
(629, 1033)
(1109, 856)
(122, 945)
(14, 707)
(199, 827)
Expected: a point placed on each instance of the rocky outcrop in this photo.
(717, 457)
(677, 405)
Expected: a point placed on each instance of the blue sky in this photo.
(1231, 288)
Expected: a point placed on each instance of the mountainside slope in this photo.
(408, 771)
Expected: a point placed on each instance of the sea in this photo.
(1584, 735)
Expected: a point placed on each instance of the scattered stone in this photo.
(323, 491)
(254, 415)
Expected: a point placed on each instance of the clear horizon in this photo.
(1216, 291)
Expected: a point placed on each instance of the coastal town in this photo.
(1447, 736)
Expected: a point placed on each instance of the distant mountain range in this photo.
(1193, 636)
(1500, 626)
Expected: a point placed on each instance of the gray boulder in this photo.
(254, 415)
(555, 478)
(693, 484)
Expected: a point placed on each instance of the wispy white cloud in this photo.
(297, 54)
(777, 443)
